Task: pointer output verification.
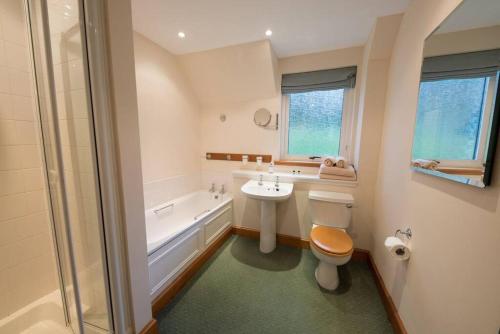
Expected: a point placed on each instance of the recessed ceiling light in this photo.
(181, 34)
(269, 32)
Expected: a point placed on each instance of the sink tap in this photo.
(222, 191)
(212, 188)
(277, 182)
(261, 177)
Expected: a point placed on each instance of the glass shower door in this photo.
(66, 116)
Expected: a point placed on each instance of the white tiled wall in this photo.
(164, 190)
(27, 267)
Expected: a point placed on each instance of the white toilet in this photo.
(330, 243)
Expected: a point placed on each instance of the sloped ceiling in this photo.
(232, 74)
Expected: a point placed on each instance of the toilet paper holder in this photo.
(406, 232)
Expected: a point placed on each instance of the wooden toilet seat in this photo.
(331, 241)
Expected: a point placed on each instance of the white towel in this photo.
(341, 162)
(337, 177)
(426, 164)
(345, 172)
(329, 161)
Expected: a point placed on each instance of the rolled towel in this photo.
(337, 177)
(329, 161)
(426, 164)
(340, 162)
(348, 171)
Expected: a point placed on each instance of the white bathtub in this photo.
(179, 231)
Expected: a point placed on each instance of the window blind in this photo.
(319, 80)
(461, 66)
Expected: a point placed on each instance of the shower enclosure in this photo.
(61, 265)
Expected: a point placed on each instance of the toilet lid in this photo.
(331, 240)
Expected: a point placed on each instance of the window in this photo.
(317, 113)
(452, 119)
(314, 123)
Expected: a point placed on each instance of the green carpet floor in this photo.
(241, 290)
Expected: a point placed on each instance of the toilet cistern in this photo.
(330, 243)
(269, 194)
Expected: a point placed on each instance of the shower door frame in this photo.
(114, 258)
(64, 230)
(96, 50)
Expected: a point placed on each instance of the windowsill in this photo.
(298, 163)
(461, 170)
(295, 178)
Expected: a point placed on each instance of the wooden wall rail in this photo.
(238, 157)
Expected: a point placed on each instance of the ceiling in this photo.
(298, 26)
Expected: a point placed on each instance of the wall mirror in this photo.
(262, 117)
(457, 119)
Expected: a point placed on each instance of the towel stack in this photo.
(426, 164)
(335, 162)
(336, 169)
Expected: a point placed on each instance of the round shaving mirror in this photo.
(262, 117)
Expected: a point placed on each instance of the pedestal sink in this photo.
(268, 193)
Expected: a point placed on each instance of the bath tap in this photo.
(212, 188)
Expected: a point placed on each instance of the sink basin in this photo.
(268, 195)
(267, 191)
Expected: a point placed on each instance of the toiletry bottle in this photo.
(271, 167)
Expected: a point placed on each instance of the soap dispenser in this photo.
(271, 167)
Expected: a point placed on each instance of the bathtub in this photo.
(180, 230)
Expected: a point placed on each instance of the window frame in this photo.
(486, 114)
(346, 131)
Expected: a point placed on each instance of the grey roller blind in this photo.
(319, 80)
(461, 66)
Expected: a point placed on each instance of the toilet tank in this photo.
(330, 208)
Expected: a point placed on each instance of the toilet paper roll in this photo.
(397, 248)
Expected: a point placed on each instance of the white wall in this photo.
(450, 284)
(126, 121)
(471, 40)
(321, 60)
(169, 121)
(373, 84)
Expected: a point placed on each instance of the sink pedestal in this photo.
(268, 194)
(267, 226)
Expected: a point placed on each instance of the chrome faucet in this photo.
(212, 188)
(277, 182)
(261, 177)
(222, 191)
